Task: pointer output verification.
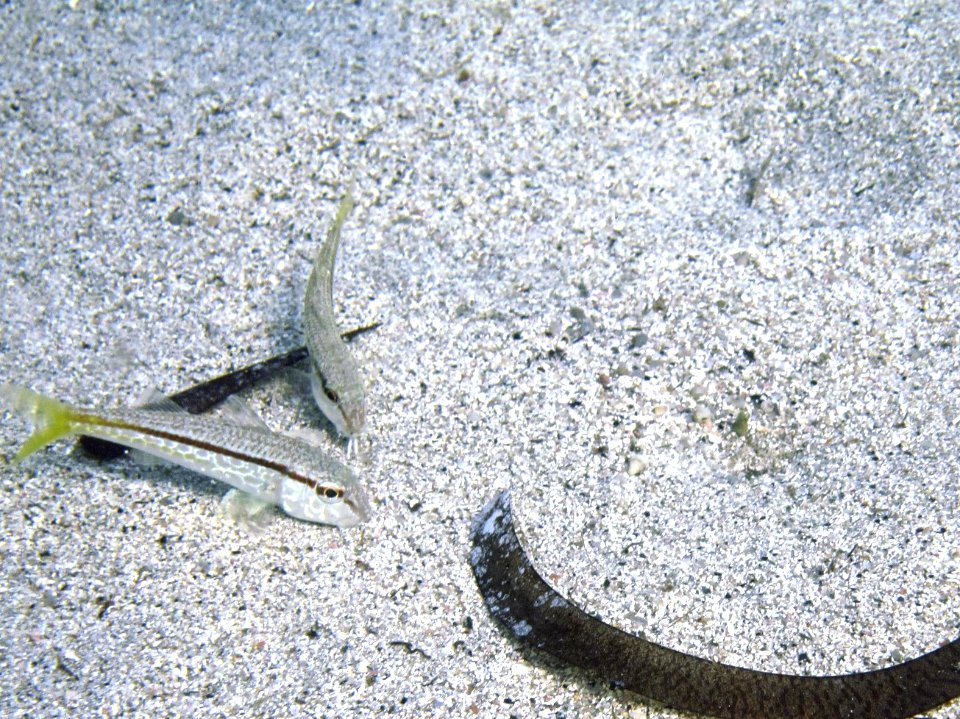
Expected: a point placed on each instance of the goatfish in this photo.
(201, 397)
(269, 467)
(334, 378)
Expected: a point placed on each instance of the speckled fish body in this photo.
(334, 378)
(271, 467)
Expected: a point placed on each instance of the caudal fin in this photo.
(51, 419)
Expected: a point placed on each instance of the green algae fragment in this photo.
(740, 424)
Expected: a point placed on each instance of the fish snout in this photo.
(354, 420)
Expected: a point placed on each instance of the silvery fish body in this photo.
(270, 467)
(334, 378)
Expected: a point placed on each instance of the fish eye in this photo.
(329, 493)
(331, 394)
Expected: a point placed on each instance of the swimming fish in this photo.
(270, 467)
(334, 378)
(201, 397)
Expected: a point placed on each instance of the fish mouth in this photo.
(354, 420)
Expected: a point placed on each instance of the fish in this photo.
(538, 616)
(201, 397)
(270, 467)
(335, 379)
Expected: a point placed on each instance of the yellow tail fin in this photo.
(51, 419)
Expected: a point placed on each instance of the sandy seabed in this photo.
(595, 233)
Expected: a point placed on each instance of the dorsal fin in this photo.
(154, 399)
(235, 410)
